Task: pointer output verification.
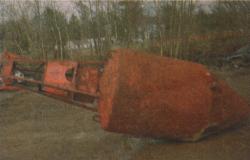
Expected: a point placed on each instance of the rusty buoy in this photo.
(152, 96)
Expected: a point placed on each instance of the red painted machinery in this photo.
(137, 94)
(68, 81)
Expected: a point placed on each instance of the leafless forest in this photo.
(89, 29)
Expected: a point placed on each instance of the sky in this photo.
(68, 6)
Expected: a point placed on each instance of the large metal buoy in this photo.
(146, 95)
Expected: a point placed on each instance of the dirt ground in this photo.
(34, 127)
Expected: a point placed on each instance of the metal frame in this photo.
(40, 84)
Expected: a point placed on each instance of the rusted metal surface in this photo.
(9, 88)
(137, 94)
(55, 73)
(152, 96)
(61, 88)
(56, 79)
(87, 79)
(6, 70)
(7, 67)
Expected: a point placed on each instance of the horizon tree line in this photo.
(181, 29)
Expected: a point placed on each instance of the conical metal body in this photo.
(146, 95)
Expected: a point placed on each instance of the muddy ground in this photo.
(34, 127)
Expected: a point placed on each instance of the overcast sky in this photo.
(67, 5)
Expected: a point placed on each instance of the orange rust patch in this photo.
(55, 74)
